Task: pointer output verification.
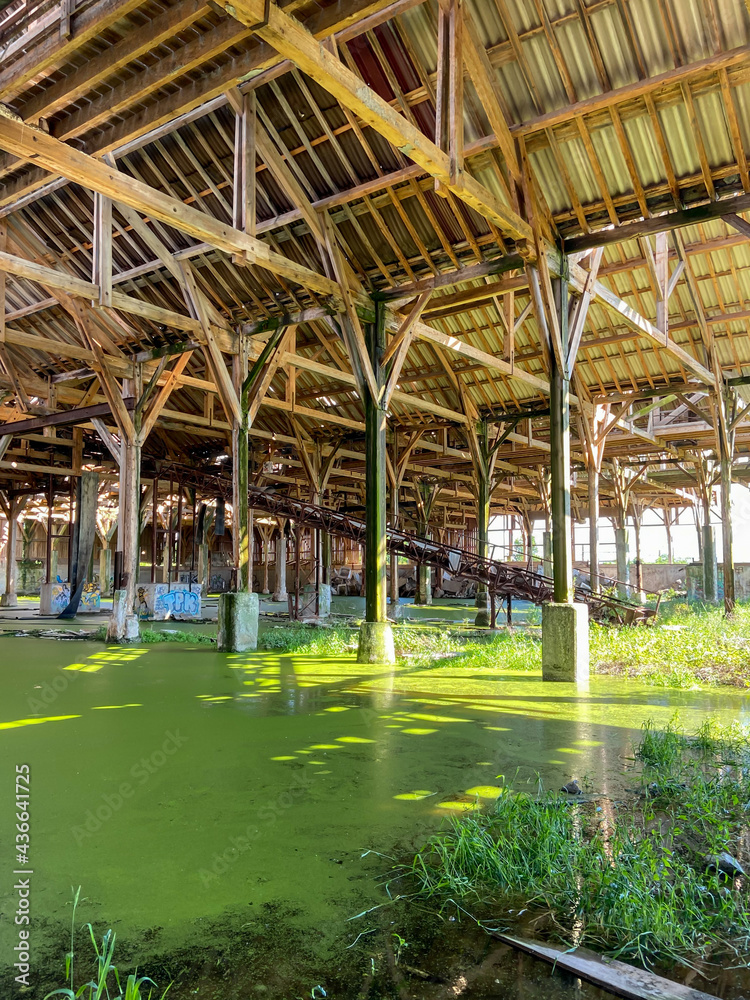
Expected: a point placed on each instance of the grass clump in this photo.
(105, 983)
(634, 881)
(686, 647)
(151, 636)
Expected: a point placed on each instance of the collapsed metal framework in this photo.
(502, 580)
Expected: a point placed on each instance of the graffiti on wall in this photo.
(162, 600)
(60, 597)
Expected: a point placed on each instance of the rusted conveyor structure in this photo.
(501, 579)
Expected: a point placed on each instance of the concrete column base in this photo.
(238, 622)
(424, 585)
(395, 611)
(122, 627)
(483, 618)
(280, 595)
(565, 643)
(9, 600)
(324, 600)
(376, 643)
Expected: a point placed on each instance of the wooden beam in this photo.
(291, 39)
(64, 418)
(56, 156)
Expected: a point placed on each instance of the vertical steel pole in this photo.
(375, 479)
(726, 450)
(594, 527)
(560, 459)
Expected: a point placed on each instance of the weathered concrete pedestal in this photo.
(482, 619)
(324, 600)
(395, 610)
(710, 567)
(565, 643)
(9, 600)
(122, 626)
(280, 593)
(376, 643)
(238, 622)
(424, 584)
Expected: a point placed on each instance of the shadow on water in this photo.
(216, 809)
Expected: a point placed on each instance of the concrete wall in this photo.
(741, 581)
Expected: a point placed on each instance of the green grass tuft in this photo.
(630, 880)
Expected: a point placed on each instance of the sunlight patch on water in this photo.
(19, 723)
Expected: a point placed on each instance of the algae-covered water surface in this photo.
(198, 797)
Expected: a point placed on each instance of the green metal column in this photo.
(726, 455)
(241, 517)
(375, 479)
(375, 634)
(562, 568)
(483, 518)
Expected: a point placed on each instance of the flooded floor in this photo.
(197, 796)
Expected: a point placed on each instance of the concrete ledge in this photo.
(238, 622)
(376, 643)
(565, 643)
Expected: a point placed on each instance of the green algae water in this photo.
(192, 794)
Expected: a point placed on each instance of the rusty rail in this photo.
(501, 579)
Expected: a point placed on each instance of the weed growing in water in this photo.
(105, 984)
(634, 881)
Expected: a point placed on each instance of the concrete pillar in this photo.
(123, 623)
(565, 642)
(424, 584)
(324, 600)
(621, 549)
(280, 593)
(376, 635)
(238, 622)
(565, 639)
(710, 569)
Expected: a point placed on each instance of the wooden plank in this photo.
(56, 156)
(615, 977)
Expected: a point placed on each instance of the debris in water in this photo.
(572, 788)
